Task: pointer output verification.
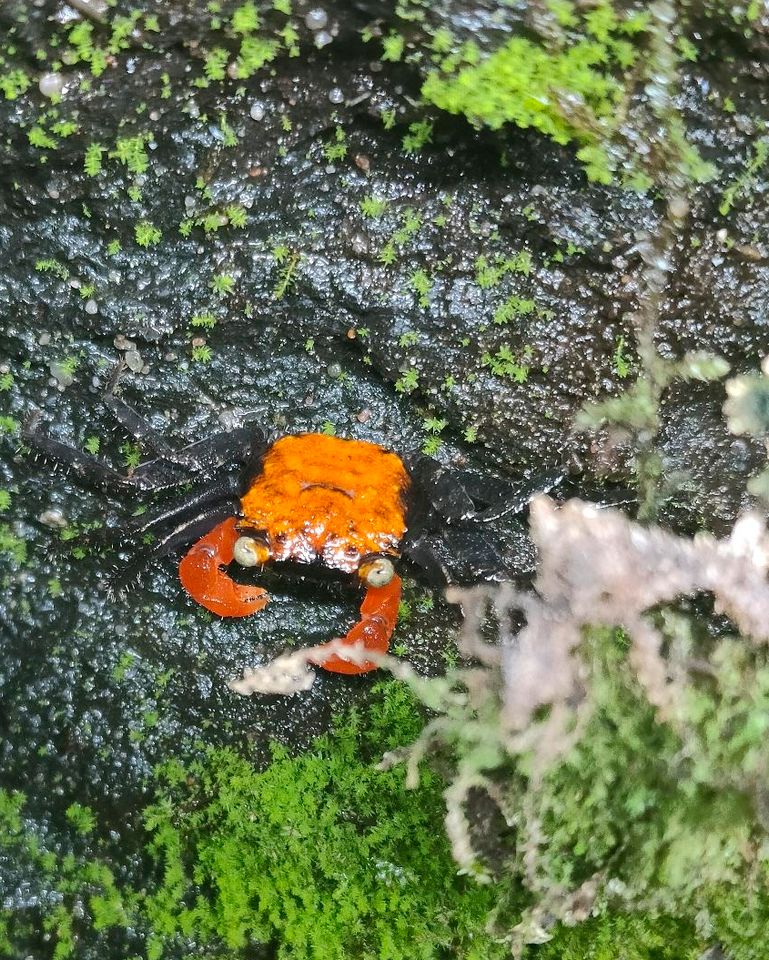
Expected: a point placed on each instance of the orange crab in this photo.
(307, 502)
(315, 499)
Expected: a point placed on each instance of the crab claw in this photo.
(203, 577)
(379, 613)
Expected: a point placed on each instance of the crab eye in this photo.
(249, 552)
(378, 572)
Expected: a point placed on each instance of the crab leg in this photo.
(379, 613)
(203, 577)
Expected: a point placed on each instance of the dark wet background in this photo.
(96, 690)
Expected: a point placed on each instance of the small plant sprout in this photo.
(420, 134)
(222, 284)
(621, 362)
(147, 234)
(433, 442)
(52, 266)
(513, 307)
(504, 364)
(408, 381)
(337, 148)
(201, 353)
(373, 207)
(92, 160)
(131, 454)
(392, 47)
(205, 320)
(287, 273)
(421, 284)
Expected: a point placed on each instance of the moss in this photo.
(323, 855)
(571, 87)
(623, 938)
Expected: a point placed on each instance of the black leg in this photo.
(186, 532)
(420, 552)
(210, 496)
(463, 554)
(457, 495)
(131, 421)
(519, 502)
(86, 467)
(164, 472)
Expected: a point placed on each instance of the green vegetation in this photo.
(337, 148)
(205, 320)
(38, 137)
(222, 284)
(12, 545)
(324, 854)
(504, 363)
(92, 160)
(421, 284)
(408, 381)
(13, 83)
(132, 152)
(201, 353)
(373, 207)
(742, 185)
(288, 263)
(147, 234)
(571, 87)
(513, 307)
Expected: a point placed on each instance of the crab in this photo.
(304, 502)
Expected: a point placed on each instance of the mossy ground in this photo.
(322, 856)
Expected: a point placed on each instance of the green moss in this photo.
(13, 83)
(12, 545)
(323, 854)
(746, 180)
(623, 938)
(132, 152)
(571, 89)
(147, 234)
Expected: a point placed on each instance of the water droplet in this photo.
(335, 95)
(51, 84)
(316, 19)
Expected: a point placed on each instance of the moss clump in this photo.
(623, 937)
(322, 854)
(569, 91)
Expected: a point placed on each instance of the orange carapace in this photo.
(315, 500)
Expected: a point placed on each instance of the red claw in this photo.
(202, 575)
(379, 613)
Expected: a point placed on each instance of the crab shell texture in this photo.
(325, 498)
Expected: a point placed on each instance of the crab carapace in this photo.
(304, 501)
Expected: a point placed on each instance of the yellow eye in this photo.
(249, 552)
(378, 572)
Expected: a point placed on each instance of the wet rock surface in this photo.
(466, 298)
